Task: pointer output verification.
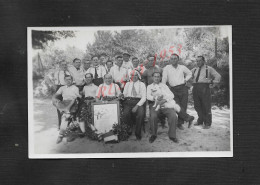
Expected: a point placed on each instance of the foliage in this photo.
(41, 38)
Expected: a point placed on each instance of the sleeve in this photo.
(216, 76)
(169, 94)
(192, 73)
(126, 89)
(88, 71)
(164, 75)
(103, 71)
(117, 90)
(77, 92)
(187, 72)
(98, 92)
(149, 93)
(143, 92)
(60, 90)
(112, 72)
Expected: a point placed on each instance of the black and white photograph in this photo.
(130, 91)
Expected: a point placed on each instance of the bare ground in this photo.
(217, 138)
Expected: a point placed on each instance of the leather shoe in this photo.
(190, 121)
(175, 140)
(59, 139)
(206, 127)
(152, 138)
(180, 127)
(197, 124)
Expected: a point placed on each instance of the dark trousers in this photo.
(202, 103)
(58, 112)
(130, 118)
(181, 98)
(171, 116)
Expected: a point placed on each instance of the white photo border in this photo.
(189, 154)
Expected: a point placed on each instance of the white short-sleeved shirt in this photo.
(108, 90)
(90, 90)
(69, 93)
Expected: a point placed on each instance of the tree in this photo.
(41, 38)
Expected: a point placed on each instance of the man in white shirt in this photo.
(107, 89)
(177, 75)
(126, 61)
(109, 65)
(77, 73)
(97, 70)
(168, 112)
(135, 63)
(89, 89)
(134, 103)
(86, 65)
(68, 92)
(119, 74)
(204, 78)
(59, 82)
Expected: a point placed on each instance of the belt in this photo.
(178, 86)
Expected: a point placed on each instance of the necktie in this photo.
(198, 75)
(134, 93)
(96, 75)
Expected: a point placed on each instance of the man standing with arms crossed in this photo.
(77, 73)
(177, 75)
(204, 78)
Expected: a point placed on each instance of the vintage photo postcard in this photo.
(130, 92)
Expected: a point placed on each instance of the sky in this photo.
(85, 36)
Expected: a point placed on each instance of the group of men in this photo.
(135, 84)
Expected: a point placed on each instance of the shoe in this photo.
(206, 127)
(175, 140)
(180, 127)
(152, 139)
(197, 124)
(59, 139)
(138, 138)
(190, 121)
(70, 139)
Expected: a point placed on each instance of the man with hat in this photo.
(126, 61)
(177, 75)
(204, 78)
(97, 70)
(134, 103)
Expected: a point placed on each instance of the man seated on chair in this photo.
(108, 90)
(69, 94)
(168, 112)
(134, 103)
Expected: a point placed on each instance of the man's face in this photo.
(87, 64)
(156, 78)
(77, 63)
(126, 58)
(200, 61)
(63, 66)
(102, 59)
(68, 80)
(134, 77)
(174, 60)
(88, 79)
(109, 65)
(95, 61)
(151, 62)
(119, 62)
(108, 79)
(135, 62)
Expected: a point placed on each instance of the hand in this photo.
(135, 109)
(212, 85)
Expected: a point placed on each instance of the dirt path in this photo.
(217, 138)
